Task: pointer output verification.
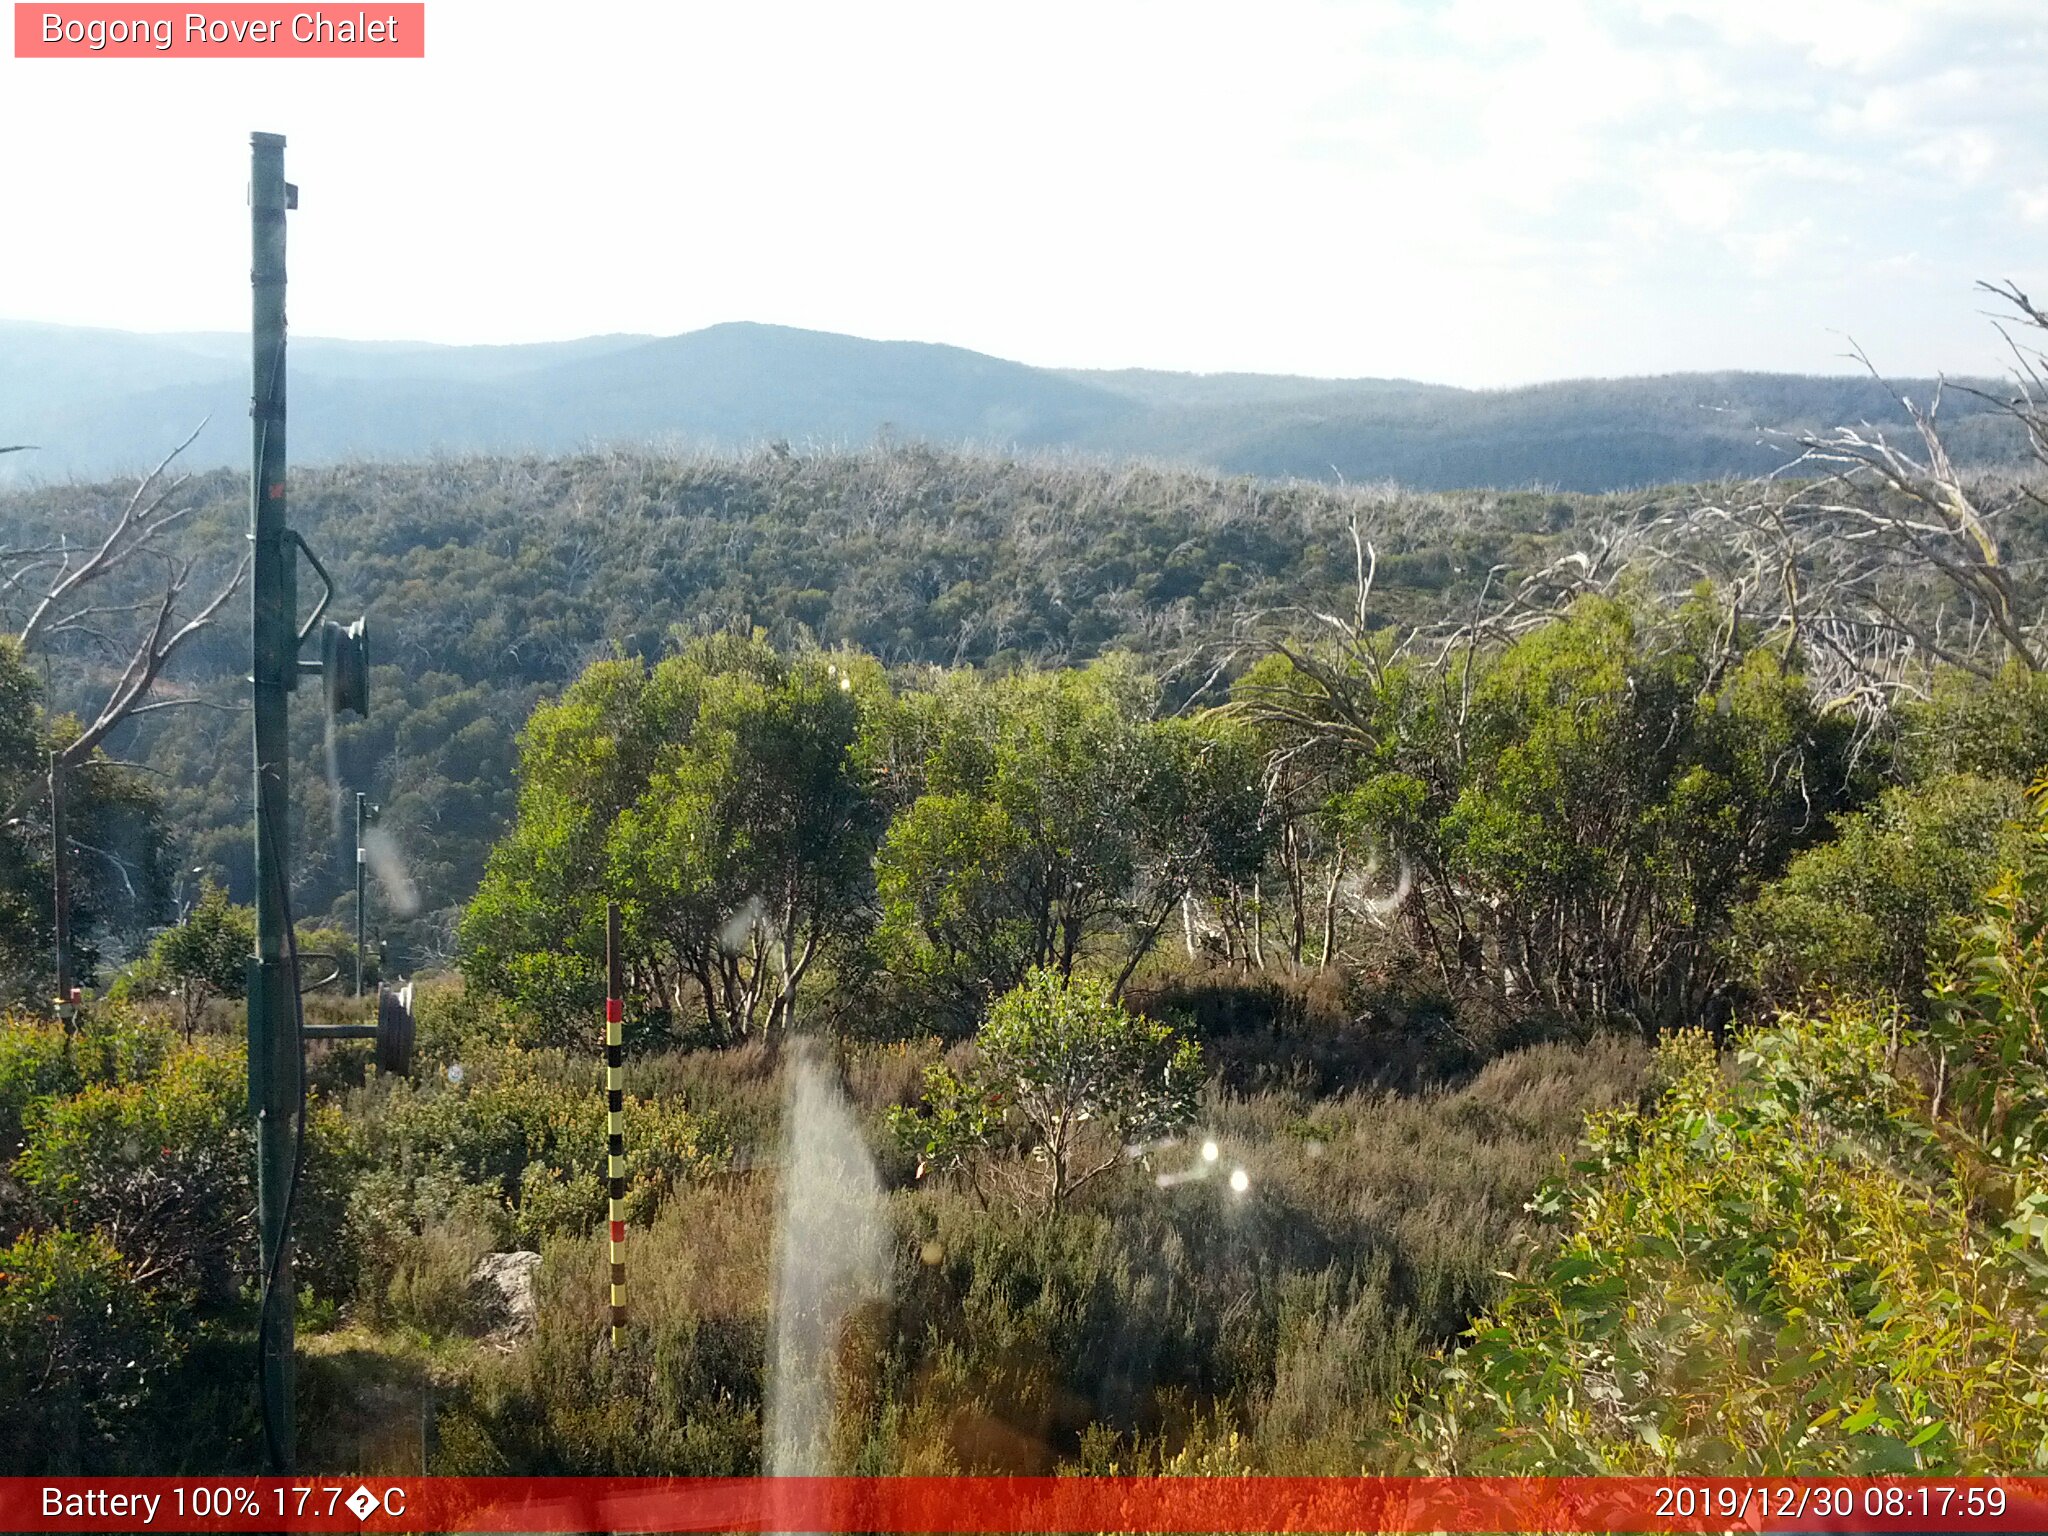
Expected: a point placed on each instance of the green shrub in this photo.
(1859, 915)
(163, 1167)
(1995, 727)
(81, 1345)
(452, 1021)
(36, 1063)
(512, 1152)
(160, 1168)
(503, 1113)
(39, 1061)
(1780, 1273)
(1988, 1030)
(513, 1109)
(204, 957)
(1083, 1077)
(553, 1201)
(113, 1044)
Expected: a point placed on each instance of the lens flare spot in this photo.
(1210, 1151)
(1240, 1181)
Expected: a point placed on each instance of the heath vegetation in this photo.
(1327, 978)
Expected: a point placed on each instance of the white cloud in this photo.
(1965, 154)
(1699, 198)
(1470, 191)
(1768, 253)
(1859, 35)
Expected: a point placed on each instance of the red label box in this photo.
(237, 31)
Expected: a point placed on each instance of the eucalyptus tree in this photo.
(1064, 1074)
(726, 799)
(1056, 823)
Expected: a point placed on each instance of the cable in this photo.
(275, 1451)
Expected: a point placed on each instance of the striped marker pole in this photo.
(615, 1112)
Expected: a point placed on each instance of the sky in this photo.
(1473, 192)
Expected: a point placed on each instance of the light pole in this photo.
(276, 1065)
(277, 1031)
(60, 887)
(364, 815)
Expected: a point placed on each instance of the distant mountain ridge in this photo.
(101, 402)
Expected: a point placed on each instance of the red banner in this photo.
(1021, 1504)
(379, 31)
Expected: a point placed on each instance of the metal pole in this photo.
(274, 1060)
(359, 893)
(60, 888)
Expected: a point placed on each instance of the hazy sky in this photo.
(1476, 193)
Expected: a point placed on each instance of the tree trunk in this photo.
(1330, 911)
(1258, 946)
(60, 887)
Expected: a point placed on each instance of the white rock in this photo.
(511, 1275)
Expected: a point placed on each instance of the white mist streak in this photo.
(381, 849)
(831, 1257)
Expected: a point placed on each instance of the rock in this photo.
(508, 1278)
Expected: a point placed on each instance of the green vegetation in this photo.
(1830, 1262)
(204, 957)
(723, 797)
(492, 586)
(1576, 814)
(1087, 1079)
(1773, 1258)
(114, 819)
(1050, 816)
(1223, 918)
(1139, 1322)
(1866, 911)
(80, 1347)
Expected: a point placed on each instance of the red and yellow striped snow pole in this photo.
(615, 1112)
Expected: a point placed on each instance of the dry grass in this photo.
(1374, 1227)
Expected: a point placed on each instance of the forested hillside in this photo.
(100, 402)
(491, 584)
(1204, 913)
(1214, 1070)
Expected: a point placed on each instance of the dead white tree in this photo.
(86, 591)
(64, 589)
(1875, 555)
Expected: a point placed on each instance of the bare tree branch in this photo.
(67, 603)
(141, 520)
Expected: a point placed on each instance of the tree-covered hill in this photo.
(492, 583)
(100, 402)
(1580, 434)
